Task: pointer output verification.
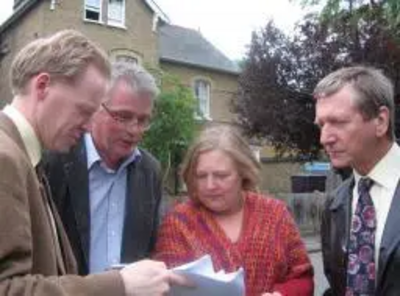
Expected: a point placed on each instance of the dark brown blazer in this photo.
(30, 261)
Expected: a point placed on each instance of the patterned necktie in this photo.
(361, 256)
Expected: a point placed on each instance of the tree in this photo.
(275, 89)
(173, 127)
(333, 8)
(275, 101)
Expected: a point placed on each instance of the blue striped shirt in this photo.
(107, 193)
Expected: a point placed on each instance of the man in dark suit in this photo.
(360, 224)
(107, 190)
(58, 82)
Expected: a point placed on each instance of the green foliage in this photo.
(392, 12)
(275, 100)
(332, 9)
(174, 125)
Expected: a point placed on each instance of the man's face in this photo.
(120, 124)
(64, 109)
(348, 138)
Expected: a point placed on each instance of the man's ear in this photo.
(40, 85)
(382, 121)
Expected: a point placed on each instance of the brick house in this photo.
(132, 30)
(138, 31)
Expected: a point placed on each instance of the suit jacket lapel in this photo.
(391, 235)
(78, 184)
(136, 214)
(341, 215)
(64, 264)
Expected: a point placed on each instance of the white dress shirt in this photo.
(28, 135)
(386, 175)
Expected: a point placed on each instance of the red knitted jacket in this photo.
(269, 248)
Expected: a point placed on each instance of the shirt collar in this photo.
(93, 155)
(91, 151)
(28, 135)
(387, 170)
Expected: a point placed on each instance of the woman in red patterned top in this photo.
(226, 218)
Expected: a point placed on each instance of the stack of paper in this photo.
(207, 281)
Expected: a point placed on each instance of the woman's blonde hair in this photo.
(229, 140)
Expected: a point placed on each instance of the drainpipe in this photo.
(53, 4)
(155, 21)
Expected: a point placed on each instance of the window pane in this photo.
(92, 10)
(116, 11)
(202, 92)
(92, 15)
(92, 4)
(127, 59)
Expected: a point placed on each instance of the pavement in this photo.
(320, 282)
(313, 243)
(313, 246)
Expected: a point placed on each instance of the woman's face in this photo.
(218, 182)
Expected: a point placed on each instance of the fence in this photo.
(306, 209)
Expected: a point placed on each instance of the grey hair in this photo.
(372, 88)
(136, 76)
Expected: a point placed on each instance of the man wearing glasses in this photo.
(107, 190)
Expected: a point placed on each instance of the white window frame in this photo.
(116, 53)
(127, 58)
(116, 22)
(93, 9)
(203, 100)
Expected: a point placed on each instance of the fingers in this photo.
(148, 278)
(180, 280)
(272, 294)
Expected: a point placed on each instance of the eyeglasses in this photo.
(128, 119)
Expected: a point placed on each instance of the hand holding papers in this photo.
(207, 281)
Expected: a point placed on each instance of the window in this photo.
(112, 12)
(116, 12)
(202, 93)
(127, 59)
(93, 10)
(125, 55)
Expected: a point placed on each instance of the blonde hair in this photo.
(64, 56)
(227, 139)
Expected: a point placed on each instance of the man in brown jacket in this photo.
(58, 82)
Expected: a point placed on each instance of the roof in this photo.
(23, 6)
(189, 47)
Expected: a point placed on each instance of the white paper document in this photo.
(207, 281)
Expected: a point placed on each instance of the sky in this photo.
(227, 24)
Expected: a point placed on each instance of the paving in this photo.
(312, 243)
(320, 282)
(313, 246)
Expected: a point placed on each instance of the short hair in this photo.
(229, 140)
(372, 88)
(64, 56)
(135, 76)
